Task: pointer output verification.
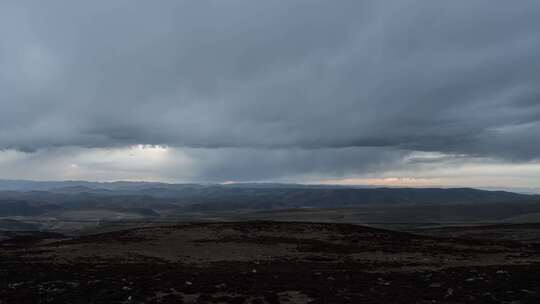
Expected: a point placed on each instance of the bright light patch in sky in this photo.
(159, 163)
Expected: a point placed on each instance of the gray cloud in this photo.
(295, 85)
(285, 164)
(199, 165)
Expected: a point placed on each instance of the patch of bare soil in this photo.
(266, 262)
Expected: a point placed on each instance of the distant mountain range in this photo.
(48, 204)
(26, 185)
(203, 197)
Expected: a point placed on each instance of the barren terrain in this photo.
(266, 262)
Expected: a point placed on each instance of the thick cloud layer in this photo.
(289, 83)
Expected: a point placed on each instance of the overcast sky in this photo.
(378, 92)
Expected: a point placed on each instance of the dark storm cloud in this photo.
(452, 77)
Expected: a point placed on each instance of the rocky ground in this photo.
(268, 262)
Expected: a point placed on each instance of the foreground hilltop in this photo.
(266, 262)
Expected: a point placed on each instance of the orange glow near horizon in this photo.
(386, 181)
